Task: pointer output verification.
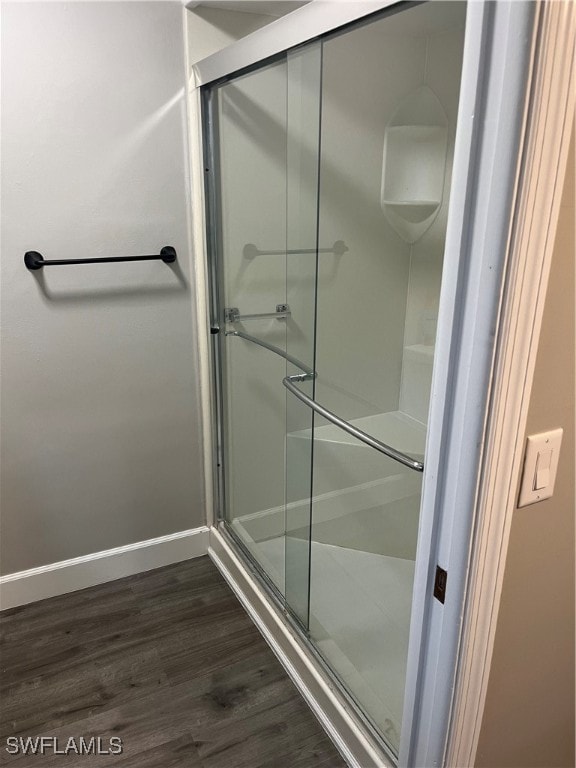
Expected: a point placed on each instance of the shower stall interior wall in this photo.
(330, 189)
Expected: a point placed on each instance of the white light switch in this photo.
(542, 478)
(540, 465)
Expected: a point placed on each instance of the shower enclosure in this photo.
(329, 174)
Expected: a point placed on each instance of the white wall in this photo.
(212, 29)
(379, 296)
(100, 410)
(529, 715)
(442, 72)
(362, 294)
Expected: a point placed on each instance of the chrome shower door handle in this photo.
(307, 375)
(308, 372)
(359, 434)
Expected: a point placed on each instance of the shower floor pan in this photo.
(359, 618)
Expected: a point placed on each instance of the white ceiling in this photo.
(265, 7)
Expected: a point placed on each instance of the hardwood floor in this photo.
(167, 661)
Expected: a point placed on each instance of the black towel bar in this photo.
(35, 260)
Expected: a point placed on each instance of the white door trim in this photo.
(198, 214)
(550, 117)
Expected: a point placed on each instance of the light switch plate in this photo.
(540, 466)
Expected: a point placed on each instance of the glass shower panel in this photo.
(389, 106)
(303, 131)
(249, 115)
(266, 130)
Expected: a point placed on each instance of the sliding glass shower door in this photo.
(265, 133)
(330, 177)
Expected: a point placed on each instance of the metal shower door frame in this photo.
(496, 61)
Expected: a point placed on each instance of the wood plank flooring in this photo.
(169, 662)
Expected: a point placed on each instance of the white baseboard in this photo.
(353, 742)
(99, 567)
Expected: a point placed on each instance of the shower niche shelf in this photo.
(414, 164)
